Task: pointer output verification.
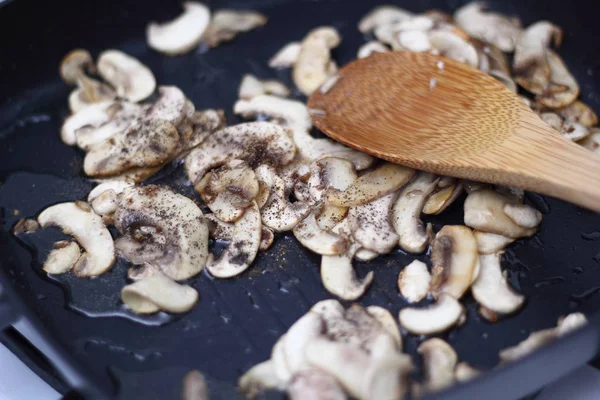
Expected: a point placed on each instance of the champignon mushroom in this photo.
(439, 360)
(382, 16)
(158, 292)
(75, 64)
(226, 24)
(314, 384)
(412, 235)
(371, 47)
(371, 226)
(330, 216)
(251, 87)
(280, 364)
(523, 215)
(387, 321)
(438, 317)
(308, 327)
(253, 142)
(194, 386)
(449, 44)
(463, 372)
(339, 278)
(24, 226)
(243, 247)
(116, 186)
(286, 56)
(491, 289)
(540, 338)
(162, 229)
(330, 172)
(205, 123)
(312, 66)
(414, 281)
(488, 243)
(579, 112)
(62, 258)
(181, 34)
(592, 142)
(371, 186)
(414, 40)
(131, 79)
(570, 130)
(442, 197)
(80, 221)
(454, 260)
(490, 27)
(259, 378)
(105, 203)
(318, 240)
(221, 230)
(484, 211)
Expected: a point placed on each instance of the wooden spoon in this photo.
(439, 115)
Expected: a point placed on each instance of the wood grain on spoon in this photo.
(439, 115)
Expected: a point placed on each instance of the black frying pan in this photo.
(96, 350)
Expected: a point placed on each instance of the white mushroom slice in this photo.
(421, 23)
(253, 142)
(438, 317)
(145, 145)
(259, 378)
(63, 256)
(381, 16)
(116, 186)
(370, 186)
(491, 289)
(251, 87)
(570, 130)
(79, 98)
(137, 272)
(182, 34)
(490, 27)
(295, 115)
(414, 281)
(453, 46)
(92, 116)
(78, 219)
(315, 384)
(224, 231)
(330, 216)
(205, 123)
(442, 197)
(308, 327)
(414, 40)
(371, 226)
(75, 64)
(24, 226)
(463, 372)
(579, 112)
(488, 243)
(454, 259)
(311, 68)
(330, 172)
(388, 322)
(226, 24)
(279, 361)
(563, 89)
(286, 57)
(592, 142)
(365, 255)
(406, 217)
(243, 248)
(162, 229)
(538, 339)
(131, 79)
(105, 203)
(484, 211)
(339, 278)
(523, 215)
(158, 292)
(194, 386)
(371, 47)
(439, 361)
(320, 241)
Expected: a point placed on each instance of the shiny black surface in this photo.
(237, 321)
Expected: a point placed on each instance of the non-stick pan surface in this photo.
(237, 321)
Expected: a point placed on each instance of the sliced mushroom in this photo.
(224, 231)
(414, 281)
(24, 226)
(311, 69)
(414, 40)
(182, 34)
(318, 240)
(523, 215)
(89, 118)
(490, 27)
(365, 255)
(137, 272)
(382, 16)
(540, 338)
(438, 317)
(158, 292)
(330, 172)
(570, 130)
(370, 186)
(592, 142)
(251, 87)
(563, 88)
(308, 327)
(62, 258)
(371, 47)
(278, 213)
(116, 186)
(226, 24)
(78, 219)
(463, 372)
(339, 278)
(131, 79)
(259, 378)
(439, 361)
(243, 247)
(162, 229)
(412, 235)
(448, 44)
(491, 289)
(371, 224)
(442, 197)
(488, 243)
(579, 112)
(454, 260)
(286, 57)
(194, 386)
(204, 124)
(330, 216)
(75, 64)
(315, 384)
(105, 203)
(279, 361)
(484, 211)
(254, 142)
(388, 322)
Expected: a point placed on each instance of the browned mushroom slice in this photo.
(438, 317)
(382, 16)
(570, 130)
(312, 67)
(131, 79)
(579, 112)
(253, 142)
(286, 56)
(484, 211)
(563, 88)
(162, 229)
(318, 240)
(62, 258)
(491, 289)
(442, 197)
(371, 224)
(330, 172)
(226, 24)
(221, 230)
(592, 142)
(158, 292)
(372, 185)
(414, 281)
(24, 226)
(439, 360)
(412, 235)
(490, 27)
(488, 243)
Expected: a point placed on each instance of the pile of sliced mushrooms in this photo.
(258, 179)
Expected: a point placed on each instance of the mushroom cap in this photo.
(131, 79)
